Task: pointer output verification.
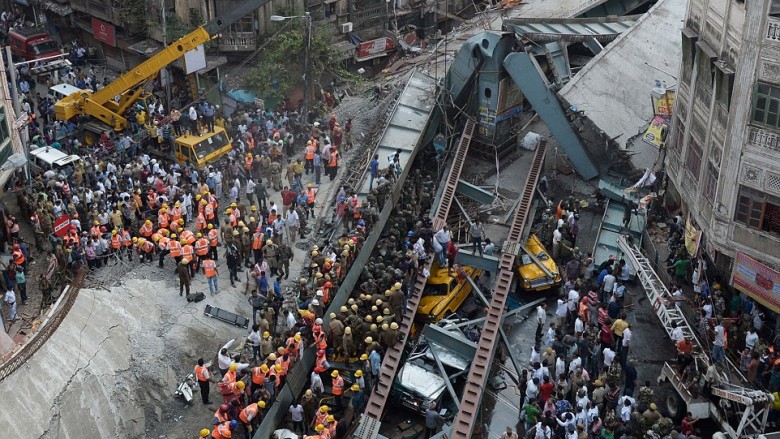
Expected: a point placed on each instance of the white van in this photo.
(51, 159)
(59, 91)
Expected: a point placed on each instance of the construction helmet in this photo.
(261, 404)
(228, 211)
(394, 325)
(205, 432)
(385, 327)
(320, 428)
(183, 242)
(240, 385)
(359, 373)
(199, 235)
(334, 374)
(269, 242)
(181, 220)
(210, 226)
(331, 418)
(185, 261)
(370, 340)
(252, 219)
(235, 232)
(278, 367)
(113, 232)
(272, 357)
(297, 337)
(309, 186)
(173, 236)
(308, 392)
(233, 204)
(355, 387)
(135, 239)
(363, 357)
(324, 409)
(264, 368)
(266, 334)
(233, 367)
(241, 224)
(96, 223)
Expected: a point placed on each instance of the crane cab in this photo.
(202, 149)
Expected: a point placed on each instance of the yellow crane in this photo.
(109, 104)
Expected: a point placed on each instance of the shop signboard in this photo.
(757, 280)
(104, 32)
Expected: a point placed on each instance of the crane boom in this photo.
(101, 104)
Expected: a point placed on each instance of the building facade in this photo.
(723, 157)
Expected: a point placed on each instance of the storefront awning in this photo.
(61, 10)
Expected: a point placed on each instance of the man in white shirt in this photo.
(292, 223)
(541, 319)
(718, 352)
(557, 238)
(626, 344)
(677, 334)
(443, 238)
(560, 313)
(223, 359)
(609, 356)
(607, 286)
(751, 338)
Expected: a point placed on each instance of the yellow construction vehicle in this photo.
(109, 105)
(202, 149)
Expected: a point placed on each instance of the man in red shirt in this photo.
(546, 390)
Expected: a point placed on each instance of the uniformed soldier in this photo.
(284, 256)
(270, 254)
(276, 175)
(646, 396)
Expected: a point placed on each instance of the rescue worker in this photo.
(337, 387)
(203, 376)
(184, 276)
(309, 156)
(212, 275)
(213, 237)
(257, 245)
(311, 198)
(188, 253)
(224, 430)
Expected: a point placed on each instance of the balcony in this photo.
(763, 138)
(238, 42)
(773, 30)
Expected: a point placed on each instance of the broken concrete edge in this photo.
(21, 353)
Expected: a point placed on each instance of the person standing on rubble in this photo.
(204, 377)
(184, 276)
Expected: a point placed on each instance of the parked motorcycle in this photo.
(187, 388)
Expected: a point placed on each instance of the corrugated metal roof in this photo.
(574, 29)
(406, 125)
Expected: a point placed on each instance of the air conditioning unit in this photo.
(346, 27)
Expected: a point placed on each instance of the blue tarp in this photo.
(243, 96)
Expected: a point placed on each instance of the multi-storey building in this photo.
(724, 148)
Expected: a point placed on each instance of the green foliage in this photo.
(174, 27)
(132, 14)
(282, 62)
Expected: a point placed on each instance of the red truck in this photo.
(31, 43)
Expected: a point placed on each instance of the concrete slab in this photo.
(613, 89)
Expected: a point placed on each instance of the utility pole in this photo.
(163, 13)
(307, 70)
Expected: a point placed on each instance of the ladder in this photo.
(483, 359)
(751, 405)
(368, 427)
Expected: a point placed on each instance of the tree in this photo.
(281, 64)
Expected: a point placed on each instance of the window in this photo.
(725, 88)
(766, 106)
(710, 183)
(758, 210)
(679, 138)
(693, 159)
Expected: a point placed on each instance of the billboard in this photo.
(757, 280)
(104, 32)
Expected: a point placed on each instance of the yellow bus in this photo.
(202, 149)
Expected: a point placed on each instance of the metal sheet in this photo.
(476, 193)
(603, 29)
(524, 73)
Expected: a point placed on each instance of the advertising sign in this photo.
(104, 32)
(195, 60)
(376, 47)
(654, 133)
(757, 280)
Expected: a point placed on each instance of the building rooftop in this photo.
(606, 88)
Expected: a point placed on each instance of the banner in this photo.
(104, 32)
(655, 133)
(757, 280)
(61, 225)
(664, 106)
(692, 238)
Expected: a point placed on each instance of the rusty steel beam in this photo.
(480, 366)
(392, 359)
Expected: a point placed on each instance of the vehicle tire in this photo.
(675, 406)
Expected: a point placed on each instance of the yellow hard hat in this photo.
(241, 224)
(331, 418)
(210, 226)
(394, 325)
(245, 229)
(173, 236)
(228, 211)
(251, 219)
(235, 232)
(197, 197)
(355, 387)
(385, 326)
(297, 337)
(264, 368)
(363, 357)
(261, 404)
(176, 204)
(233, 367)
(135, 239)
(185, 261)
(266, 334)
(96, 223)
(253, 208)
(320, 428)
(240, 385)
(308, 392)
(203, 202)
(269, 242)
(113, 232)
(369, 340)
(334, 374)
(308, 185)
(181, 220)
(141, 241)
(183, 242)
(199, 235)
(324, 409)
(148, 222)
(359, 373)
(205, 432)
(233, 205)
(278, 367)
(272, 357)
(156, 238)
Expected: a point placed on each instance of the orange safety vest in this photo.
(116, 241)
(232, 220)
(210, 267)
(310, 194)
(334, 160)
(126, 238)
(188, 252)
(200, 222)
(272, 218)
(202, 247)
(310, 149)
(201, 373)
(319, 366)
(221, 416)
(18, 257)
(213, 237)
(209, 211)
(176, 213)
(278, 376)
(257, 241)
(230, 377)
(95, 230)
(145, 230)
(148, 247)
(250, 142)
(175, 248)
(188, 236)
(248, 162)
(222, 431)
(151, 200)
(162, 220)
(322, 418)
(321, 342)
(285, 366)
(338, 386)
(162, 244)
(258, 377)
(252, 410)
